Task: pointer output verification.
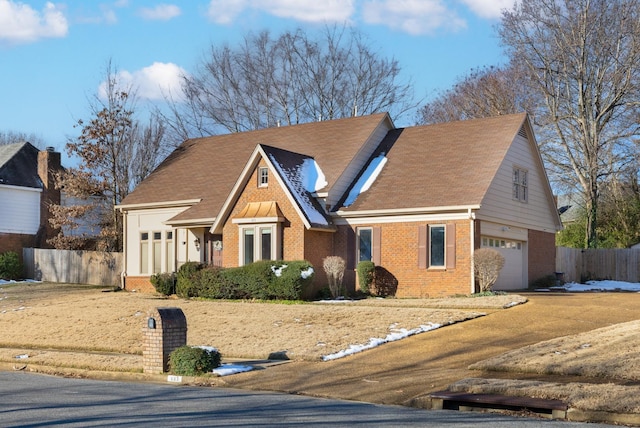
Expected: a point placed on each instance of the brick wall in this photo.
(542, 254)
(170, 333)
(292, 229)
(16, 242)
(138, 283)
(399, 258)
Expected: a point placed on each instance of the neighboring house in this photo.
(416, 201)
(27, 189)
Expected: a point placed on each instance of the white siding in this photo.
(499, 206)
(19, 210)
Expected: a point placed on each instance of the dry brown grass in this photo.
(45, 319)
(611, 353)
(604, 397)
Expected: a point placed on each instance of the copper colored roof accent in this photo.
(207, 168)
(268, 209)
(440, 165)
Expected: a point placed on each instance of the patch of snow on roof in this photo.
(312, 176)
(366, 180)
(294, 179)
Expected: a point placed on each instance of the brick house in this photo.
(27, 189)
(416, 201)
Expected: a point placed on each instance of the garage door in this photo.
(511, 275)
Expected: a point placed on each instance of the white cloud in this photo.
(412, 16)
(162, 12)
(225, 11)
(19, 23)
(151, 83)
(489, 9)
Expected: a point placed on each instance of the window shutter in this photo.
(451, 246)
(351, 249)
(377, 234)
(422, 247)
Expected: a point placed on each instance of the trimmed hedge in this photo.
(164, 283)
(366, 272)
(10, 266)
(190, 361)
(262, 280)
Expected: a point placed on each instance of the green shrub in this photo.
(290, 279)
(190, 361)
(185, 285)
(210, 283)
(366, 273)
(164, 283)
(10, 266)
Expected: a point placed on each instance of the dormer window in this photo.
(263, 176)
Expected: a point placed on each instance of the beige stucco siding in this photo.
(499, 206)
(152, 220)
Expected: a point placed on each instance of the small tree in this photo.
(334, 268)
(487, 264)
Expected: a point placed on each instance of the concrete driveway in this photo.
(399, 372)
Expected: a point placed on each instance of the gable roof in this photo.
(19, 165)
(442, 165)
(206, 169)
(293, 171)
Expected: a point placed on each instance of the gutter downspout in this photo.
(123, 274)
(472, 217)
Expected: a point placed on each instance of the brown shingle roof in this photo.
(449, 164)
(207, 168)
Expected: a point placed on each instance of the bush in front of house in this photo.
(366, 273)
(211, 283)
(185, 279)
(164, 283)
(487, 264)
(270, 280)
(192, 361)
(10, 266)
(334, 268)
(292, 279)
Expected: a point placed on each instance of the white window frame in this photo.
(144, 250)
(257, 241)
(263, 176)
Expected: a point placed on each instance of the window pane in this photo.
(157, 256)
(248, 246)
(144, 257)
(265, 241)
(169, 264)
(364, 245)
(436, 249)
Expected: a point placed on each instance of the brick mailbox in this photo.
(165, 331)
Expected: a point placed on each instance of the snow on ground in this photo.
(606, 285)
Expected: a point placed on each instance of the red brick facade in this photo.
(542, 254)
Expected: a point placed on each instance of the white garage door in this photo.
(511, 276)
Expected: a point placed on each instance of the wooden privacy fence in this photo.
(620, 264)
(75, 267)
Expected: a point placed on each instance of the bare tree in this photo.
(12, 137)
(483, 92)
(293, 78)
(583, 59)
(116, 152)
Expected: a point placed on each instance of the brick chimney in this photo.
(48, 165)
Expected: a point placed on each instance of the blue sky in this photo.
(54, 53)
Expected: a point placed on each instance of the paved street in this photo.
(30, 400)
